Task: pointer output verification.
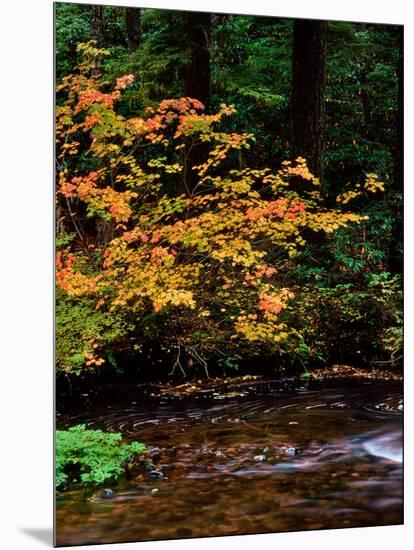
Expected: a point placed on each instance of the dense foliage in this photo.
(242, 254)
(91, 456)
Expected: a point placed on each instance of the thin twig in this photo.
(177, 362)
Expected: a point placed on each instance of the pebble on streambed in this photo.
(291, 451)
(260, 458)
(153, 451)
(286, 451)
(155, 474)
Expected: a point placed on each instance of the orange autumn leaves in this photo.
(214, 256)
(274, 304)
(280, 207)
(105, 201)
(72, 280)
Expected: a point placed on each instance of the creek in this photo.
(269, 457)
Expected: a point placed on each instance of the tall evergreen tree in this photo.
(198, 73)
(308, 93)
(96, 21)
(133, 28)
(197, 82)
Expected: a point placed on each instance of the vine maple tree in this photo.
(211, 265)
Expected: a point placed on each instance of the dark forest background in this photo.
(327, 91)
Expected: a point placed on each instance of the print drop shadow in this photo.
(44, 535)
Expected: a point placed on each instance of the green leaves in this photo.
(231, 363)
(91, 456)
(81, 329)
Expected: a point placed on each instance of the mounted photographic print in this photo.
(229, 256)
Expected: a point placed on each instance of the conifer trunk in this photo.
(96, 25)
(197, 81)
(308, 93)
(198, 74)
(133, 28)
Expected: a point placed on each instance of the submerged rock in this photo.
(149, 466)
(155, 474)
(153, 451)
(260, 458)
(291, 451)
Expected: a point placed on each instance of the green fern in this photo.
(91, 456)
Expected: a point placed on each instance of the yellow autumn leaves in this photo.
(211, 254)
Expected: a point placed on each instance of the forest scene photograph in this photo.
(229, 274)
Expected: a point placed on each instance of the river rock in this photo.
(260, 458)
(155, 474)
(153, 451)
(291, 451)
(149, 466)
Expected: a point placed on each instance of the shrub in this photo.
(196, 255)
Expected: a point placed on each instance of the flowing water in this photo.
(230, 465)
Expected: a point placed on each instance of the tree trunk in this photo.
(197, 79)
(133, 28)
(96, 25)
(105, 232)
(308, 93)
(197, 75)
(97, 34)
(364, 96)
(395, 262)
